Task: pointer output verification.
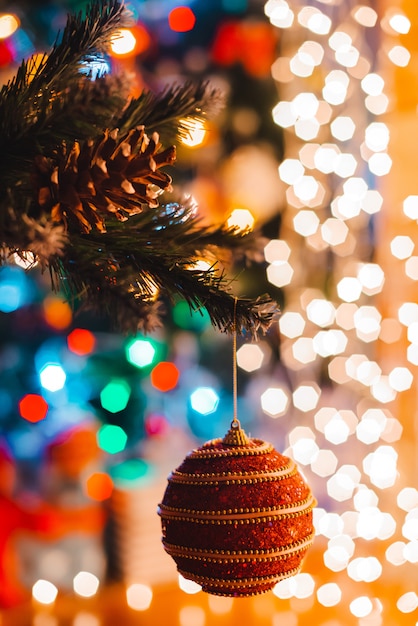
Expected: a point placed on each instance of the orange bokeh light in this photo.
(33, 408)
(165, 376)
(181, 19)
(99, 486)
(81, 341)
(57, 313)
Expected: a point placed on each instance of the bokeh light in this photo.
(111, 438)
(114, 397)
(33, 407)
(181, 19)
(165, 376)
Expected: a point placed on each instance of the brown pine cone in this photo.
(118, 175)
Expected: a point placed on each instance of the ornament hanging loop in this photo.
(236, 436)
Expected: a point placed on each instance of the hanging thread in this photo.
(235, 421)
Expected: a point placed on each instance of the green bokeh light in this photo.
(190, 320)
(132, 472)
(115, 396)
(112, 438)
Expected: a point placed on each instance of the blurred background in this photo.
(316, 148)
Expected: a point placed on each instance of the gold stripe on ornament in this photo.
(210, 452)
(243, 516)
(222, 583)
(240, 556)
(238, 478)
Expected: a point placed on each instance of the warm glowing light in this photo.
(329, 594)
(324, 463)
(291, 324)
(306, 188)
(25, 260)
(123, 42)
(341, 486)
(372, 202)
(408, 313)
(380, 164)
(361, 606)
(365, 569)
(274, 401)
(44, 591)
(329, 342)
(377, 136)
(250, 357)
(306, 397)
(196, 133)
(399, 56)
(276, 250)
(279, 273)
(343, 128)
(410, 207)
(407, 498)
(402, 246)
(279, 13)
(325, 158)
(320, 312)
(220, 605)
(400, 23)
(241, 220)
(139, 596)
(306, 223)
(408, 602)
(303, 350)
(291, 170)
(411, 267)
(336, 430)
(85, 584)
(401, 378)
(349, 289)
(8, 25)
(371, 277)
(188, 586)
(381, 466)
(364, 15)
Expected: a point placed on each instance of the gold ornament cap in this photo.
(235, 436)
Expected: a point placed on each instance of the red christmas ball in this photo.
(237, 516)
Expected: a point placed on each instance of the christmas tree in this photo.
(83, 171)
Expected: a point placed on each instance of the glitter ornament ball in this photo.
(237, 516)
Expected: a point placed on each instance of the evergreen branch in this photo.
(117, 271)
(171, 111)
(37, 82)
(34, 105)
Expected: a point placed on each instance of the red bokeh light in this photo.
(33, 408)
(181, 19)
(165, 376)
(81, 341)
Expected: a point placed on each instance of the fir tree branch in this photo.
(34, 104)
(171, 111)
(117, 271)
